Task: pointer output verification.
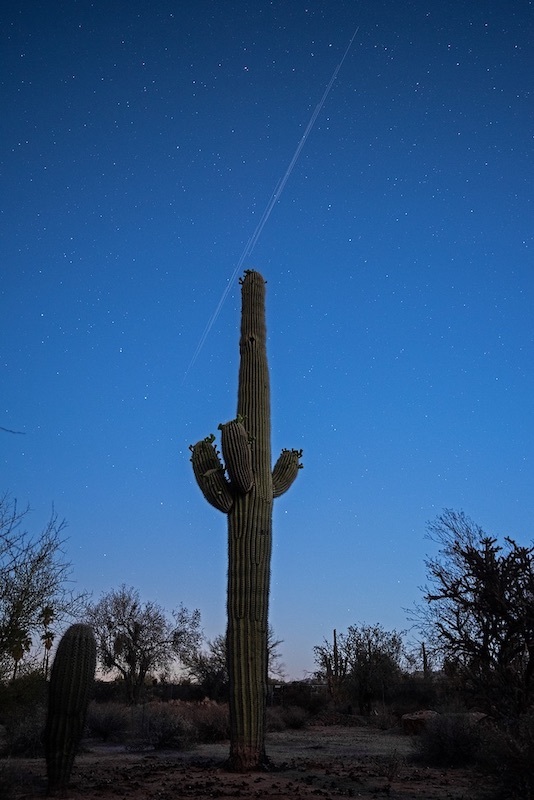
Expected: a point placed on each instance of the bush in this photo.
(383, 719)
(107, 721)
(390, 765)
(24, 732)
(413, 692)
(275, 720)
(294, 717)
(172, 724)
(507, 754)
(164, 726)
(280, 718)
(212, 722)
(22, 704)
(310, 697)
(22, 695)
(448, 740)
(186, 692)
(109, 691)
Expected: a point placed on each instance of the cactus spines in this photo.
(71, 680)
(252, 485)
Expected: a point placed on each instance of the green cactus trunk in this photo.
(246, 494)
(249, 544)
(71, 681)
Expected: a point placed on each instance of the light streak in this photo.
(275, 196)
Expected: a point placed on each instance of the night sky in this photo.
(141, 143)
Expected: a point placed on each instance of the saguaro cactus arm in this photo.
(286, 470)
(237, 454)
(209, 473)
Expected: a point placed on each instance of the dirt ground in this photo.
(324, 762)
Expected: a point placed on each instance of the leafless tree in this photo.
(333, 662)
(360, 665)
(479, 612)
(35, 576)
(208, 665)
(136, 639)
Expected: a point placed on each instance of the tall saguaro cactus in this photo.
(244, 489)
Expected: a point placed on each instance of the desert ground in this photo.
(319, 761)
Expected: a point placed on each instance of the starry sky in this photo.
(141, 143)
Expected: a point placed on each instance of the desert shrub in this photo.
(279, 718)
(294, 717)
(300, 693)
(212, 722)
(413, 692)
(390, 765)
(164, 726)
(22, 704)
(109, 691)
(448, 740)
(507, 755)
(383, 719)
(107, 721)
(23, 694)
(275, 719)
(185, 691)
(23, 732)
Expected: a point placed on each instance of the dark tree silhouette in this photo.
(479, 612)
(135, 639)
(34, 580)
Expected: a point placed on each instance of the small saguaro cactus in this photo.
(244, 488)
(71, 680)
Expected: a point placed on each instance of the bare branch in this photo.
(136, 639)
(479, 611)
(34, 575)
